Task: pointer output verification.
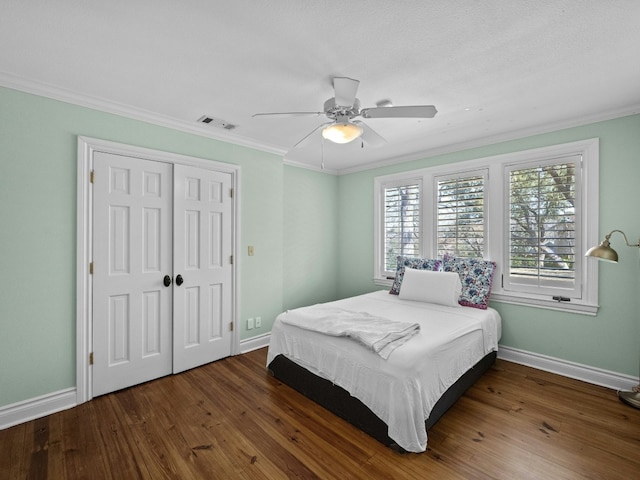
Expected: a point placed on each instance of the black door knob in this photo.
(179, 280)
(167, 280)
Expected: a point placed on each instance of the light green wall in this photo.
(38, 154)
(311, 241)
(312, 234)
(610, 340)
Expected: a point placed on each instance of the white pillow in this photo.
(443, 288)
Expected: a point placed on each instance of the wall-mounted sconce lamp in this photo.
(608, 254)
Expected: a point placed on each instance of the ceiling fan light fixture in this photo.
(343, 132)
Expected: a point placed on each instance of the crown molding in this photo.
(319, 168)
(100, 104)
(499, 138)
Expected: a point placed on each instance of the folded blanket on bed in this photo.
(379, 334)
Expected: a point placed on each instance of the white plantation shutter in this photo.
(532, 212)
(544, 221)
(401, 223)
(460, 217)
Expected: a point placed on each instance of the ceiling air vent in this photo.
(216, 122)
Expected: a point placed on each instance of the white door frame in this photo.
(87, 146)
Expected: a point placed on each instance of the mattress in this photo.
(403, 389)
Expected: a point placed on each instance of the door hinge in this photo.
(231, 326)
(90, 268)
(231, 192)
(91, 358)
(231, 259)
(91, 176)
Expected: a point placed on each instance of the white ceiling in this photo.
(495, 69)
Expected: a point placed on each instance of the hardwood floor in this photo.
(230, 419)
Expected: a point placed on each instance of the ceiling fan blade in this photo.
(289, 114)
(345, 91)
(308, 136)
(369, 135)
(410, 111)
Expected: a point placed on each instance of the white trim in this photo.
(529, 302)
(585, 373)
(84, 285)
(254, 343)
(380, 184)
(50, 91)
(495, 139)
(431, 199)
(108, 106)
(314, 168)
(86, 148)
(580, 308)
(37, 407)
(495, 166)
(585, 300)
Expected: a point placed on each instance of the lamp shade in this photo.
(343, 132)
(603, 252)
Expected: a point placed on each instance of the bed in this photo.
(398, 398)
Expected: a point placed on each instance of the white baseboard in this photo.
(37, 407)
(596, 376)
(585, 373)
(255, 343)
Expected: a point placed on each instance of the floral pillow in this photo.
(412, 262)
(476, 276)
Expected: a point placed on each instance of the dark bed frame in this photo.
(340, 402)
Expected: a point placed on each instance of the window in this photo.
(544, 215)
(401, 222)
(531, 212)
(460, 215)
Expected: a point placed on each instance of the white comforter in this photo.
(403, 389)
(379, 334)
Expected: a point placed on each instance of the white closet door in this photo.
(132, 245)
(202, 267)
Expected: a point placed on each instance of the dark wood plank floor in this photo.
(230, 419)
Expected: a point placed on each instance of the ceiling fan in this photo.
(344, 107)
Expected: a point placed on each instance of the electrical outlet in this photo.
(250, 324)
(258, 322)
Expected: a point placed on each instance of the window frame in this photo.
(546, 288)
(497, 228)
(460, 175)
(392, 181)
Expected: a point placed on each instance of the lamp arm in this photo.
(606, 238)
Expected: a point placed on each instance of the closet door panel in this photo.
(132, 252)
(202, 257)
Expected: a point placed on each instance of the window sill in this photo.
(571, 307)
(383, 282)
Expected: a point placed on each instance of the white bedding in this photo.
(403, 389)
(379, 334)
